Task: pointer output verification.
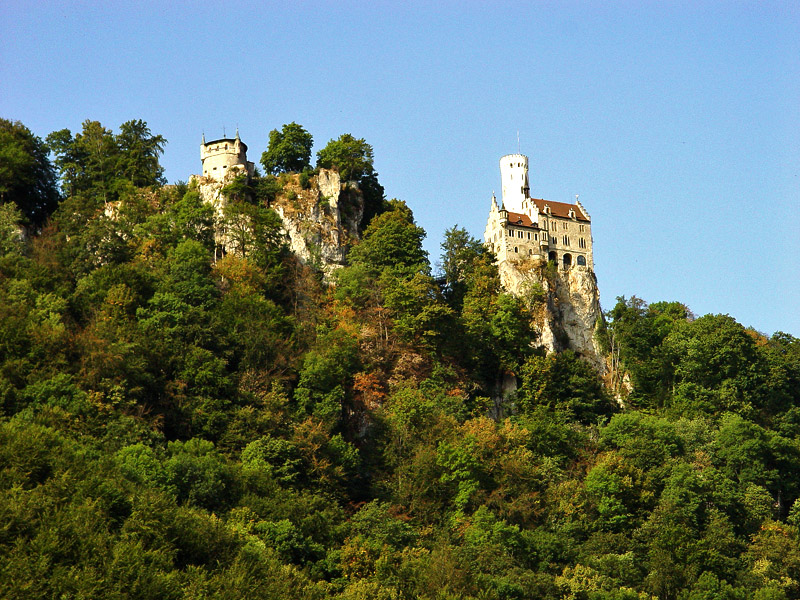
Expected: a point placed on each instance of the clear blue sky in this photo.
(678, 123)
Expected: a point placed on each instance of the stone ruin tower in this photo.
(224, 156)
(543, 246)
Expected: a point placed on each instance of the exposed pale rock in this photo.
(565, 302)
(320, 222)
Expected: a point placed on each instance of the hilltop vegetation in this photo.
(175, 426)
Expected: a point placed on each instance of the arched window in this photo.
(567, 260)
(516, 249)
(581, 261)
(552, 257)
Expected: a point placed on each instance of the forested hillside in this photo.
(179, 426)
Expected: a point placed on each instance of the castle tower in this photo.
(514, 177)
(223, 156)
(546, 245)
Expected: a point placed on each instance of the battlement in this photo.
(224, 156)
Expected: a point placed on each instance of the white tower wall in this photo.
(223, 156)
(514, 178)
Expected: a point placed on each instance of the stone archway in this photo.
(567, 260)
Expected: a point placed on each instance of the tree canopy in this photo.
(102, 164)
(27, 177)
(289, 149)
(181, 422)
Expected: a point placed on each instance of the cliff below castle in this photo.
(320, 214)
(566, 305)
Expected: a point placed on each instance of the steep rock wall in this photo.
(321, 220)
(565, 303)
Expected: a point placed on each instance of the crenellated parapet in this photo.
(223, 157)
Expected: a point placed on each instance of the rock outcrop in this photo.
(322, 220)
(565, 303)
(320, 215)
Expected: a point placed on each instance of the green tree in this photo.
(392, 241)
(11, 236)
(461, 259)
(564, 383)
(636, 331)
(27, 177)
(289, 149)
(103, 164)
(353, 158)
(716, 366)
(139, 151)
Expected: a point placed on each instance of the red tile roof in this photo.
(519, 219)
(558, 209)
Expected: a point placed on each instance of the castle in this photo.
(530, 228)
(223, 156)
(528, 233)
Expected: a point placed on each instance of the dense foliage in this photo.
(27, 177)
(289, 150)
(354, 159)
(181, 424)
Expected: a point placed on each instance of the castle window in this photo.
(530, 252)
(529, 235)
(582, 243)
(581, 228)
(581, 261)
(567, 260)
(515, 249)
(566, 240)
(536, 236)
(553, 240)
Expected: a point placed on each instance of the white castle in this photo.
(223, 156)
(530, 228)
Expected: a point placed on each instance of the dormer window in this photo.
(571, 214)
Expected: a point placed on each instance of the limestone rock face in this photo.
(565, 303)
(322, 221)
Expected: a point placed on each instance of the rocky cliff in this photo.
(322, 220)
(321, 216)
(565, 304)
